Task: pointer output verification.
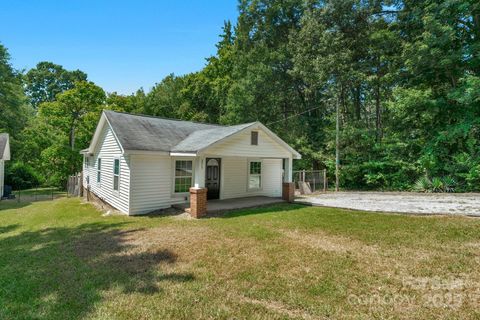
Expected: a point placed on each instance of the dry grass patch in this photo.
(62, 260)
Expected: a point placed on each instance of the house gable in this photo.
(105, 146)
(239, 144)
(99, 130)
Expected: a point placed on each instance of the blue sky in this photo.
(121, 45)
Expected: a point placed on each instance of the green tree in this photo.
(14, 112)
(47, 79)
(75, 112)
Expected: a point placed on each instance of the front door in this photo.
(212, 178)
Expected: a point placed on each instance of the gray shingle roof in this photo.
(136, 132)
(3, 143)
(201, 139)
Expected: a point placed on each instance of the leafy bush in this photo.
(445, 184)
(21, 176)
(448, 184)
(423, 184)
(437, 185)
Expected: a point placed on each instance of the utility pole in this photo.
(337, 148)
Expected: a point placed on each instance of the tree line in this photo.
(404, 75)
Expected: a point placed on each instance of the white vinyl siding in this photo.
(107, 150)
(152, 180)
(235, 178)
(240, 145)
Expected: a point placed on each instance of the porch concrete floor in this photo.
(217, 206)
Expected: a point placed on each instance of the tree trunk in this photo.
(337, 148)
(357, 102)
(378, 113)
(72, 137)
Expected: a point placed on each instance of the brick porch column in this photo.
(198, 202)
(288, 191)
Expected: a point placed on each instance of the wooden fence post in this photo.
(324, 180)
(81, 184)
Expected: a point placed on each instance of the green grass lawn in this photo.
(62, 260)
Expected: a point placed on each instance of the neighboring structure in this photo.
(4, 156)
(139, 164)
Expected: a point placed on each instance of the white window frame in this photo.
(174, 168)
(99, 171)
(116, 175)
(255, 174)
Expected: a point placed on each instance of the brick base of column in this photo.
(288, 191)
(198, 202)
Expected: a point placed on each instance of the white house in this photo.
(4, 156)
(139, 164)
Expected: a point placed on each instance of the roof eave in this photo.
(146, 152)
(183, 154)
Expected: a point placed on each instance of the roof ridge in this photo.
(223, 127)
(227, 132)
(163, 118)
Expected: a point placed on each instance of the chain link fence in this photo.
(309, 181)
(34, 194)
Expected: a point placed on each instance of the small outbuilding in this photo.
(138, 164)
(4, 156)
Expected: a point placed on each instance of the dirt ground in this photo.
(400, 202)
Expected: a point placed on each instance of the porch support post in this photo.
(288, 187)
(198, 194)
(199, 172)
(288, 170)
(198, 202)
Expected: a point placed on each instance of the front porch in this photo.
(223, 183)
(220, 206)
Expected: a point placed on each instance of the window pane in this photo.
(115, 182)
(183, 172)
(98, 176)
(254, 182)
(255, 167)
(182, 184)
(99, 166)
(183, 168)
(116, 166)
(183, 175)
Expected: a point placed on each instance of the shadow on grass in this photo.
(61, 273)
(5, 229)
(269, 208)
(13, 204)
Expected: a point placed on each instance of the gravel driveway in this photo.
(401, 202)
